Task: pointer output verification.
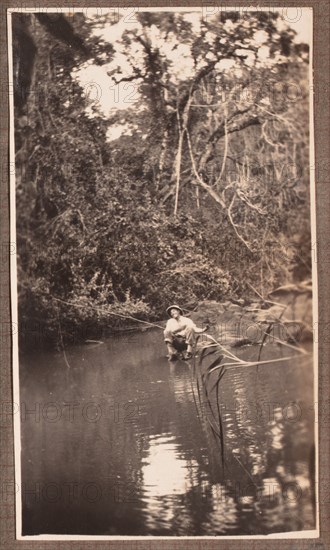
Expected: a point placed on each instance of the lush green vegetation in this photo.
(206, 194)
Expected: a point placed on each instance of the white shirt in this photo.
(180, 325)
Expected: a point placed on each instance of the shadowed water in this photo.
(114, 445)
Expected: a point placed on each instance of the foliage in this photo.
(206, 193)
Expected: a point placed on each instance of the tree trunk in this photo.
(178, 171)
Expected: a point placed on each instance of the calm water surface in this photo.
(115, 445)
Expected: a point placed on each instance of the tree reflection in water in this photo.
(156, 462)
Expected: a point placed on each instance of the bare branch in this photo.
(235, 226)
(226, 148)
(244, 198)
(236, 126)
(203, 184)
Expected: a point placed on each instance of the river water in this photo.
(115, 445)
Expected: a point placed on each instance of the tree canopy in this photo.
(194, 186)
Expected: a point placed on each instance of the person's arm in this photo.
(201, 330)
(168, 326)
(196, 329)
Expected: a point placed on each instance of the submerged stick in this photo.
(266, 333)
(255, 363)
(200, 416)
(245, 470)
(62, 343)
(221, 434)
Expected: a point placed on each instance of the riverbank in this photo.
(286, 315)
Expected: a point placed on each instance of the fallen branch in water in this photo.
(299, 349)
(62, 343)
(107, 312)
(255, 363)
(225, 351)
(220, 368)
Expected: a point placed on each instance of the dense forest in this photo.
(203, 194)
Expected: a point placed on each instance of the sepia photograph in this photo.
(164, 282)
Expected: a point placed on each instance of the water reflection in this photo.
(166, 477)
(164, 471)
(153, 459)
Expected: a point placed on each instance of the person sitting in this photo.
(180, 330)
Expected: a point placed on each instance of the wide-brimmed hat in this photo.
(174, 306)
